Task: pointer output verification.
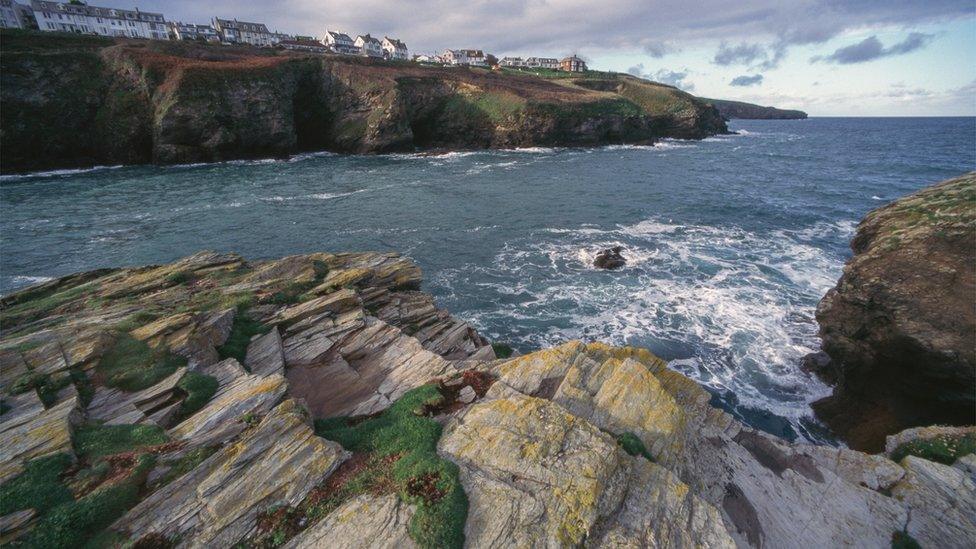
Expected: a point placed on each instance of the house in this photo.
(512, 62)
(394, 49)
(340, 43)
(425, 58)
(465, 57)
(233, 31)
(572, 64)
(82, 18)
(368, 46)
(16, 16)
(542, 63)
(304, 45)
(189, 31)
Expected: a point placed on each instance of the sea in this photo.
(730, 241)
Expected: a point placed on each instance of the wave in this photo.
(57, 173)
(24, 280)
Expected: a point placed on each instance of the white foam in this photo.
(30, 280)
(57, 173)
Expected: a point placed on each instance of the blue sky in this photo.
(827, 57)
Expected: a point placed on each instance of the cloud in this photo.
(746, 80)
(664, 76)
(743, 54)
(871, 48)
(658, 49)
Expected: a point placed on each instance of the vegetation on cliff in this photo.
(739, 109)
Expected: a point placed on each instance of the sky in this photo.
(826, 57)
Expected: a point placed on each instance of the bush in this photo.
(94, 441)
(199, 390)
(633, 445)
(502, 350)
(179, 277)
(131, 365)
(39, 487)
(243, 329)
(902, 540)
(941, 449)
(402, 435)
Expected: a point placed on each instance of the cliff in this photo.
(748, 111)
(321, 400)
(899, 327)
(69, 100)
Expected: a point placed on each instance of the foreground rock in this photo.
(611, 258)
(900, 327)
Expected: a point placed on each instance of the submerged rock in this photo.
(900, 327)
(611, 258)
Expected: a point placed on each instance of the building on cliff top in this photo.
(465, 57)
(189, 31)
(85, 19)
(542, 63)
(395, 49)
(572, 64)
(16, 16)
(369, 46)
(340, 43)
(512, 62)
(241, 32)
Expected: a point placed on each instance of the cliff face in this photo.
(74, 101)
(748, 111)
(899, 328)
(321, 400)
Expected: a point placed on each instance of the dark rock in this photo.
(610, 258)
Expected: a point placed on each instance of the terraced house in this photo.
(369, 46)
(395, 49)
(189, 31)
(16, 16)
(84, 19)
(242, 32)
(340, 42)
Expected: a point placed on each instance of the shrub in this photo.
(633, 445)
(942, 449)
(131, 365)
(94, 441)
(243, 329)
(902, 540)
(199, 390)
(39, 487)
(502, 350)
(179, 277)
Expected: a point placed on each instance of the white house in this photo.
(425, 58)
(81, 18)
(512, 62)
(369, 46)
(542, 63)
(465, 57)
(189, 31)
(16, 16)
(242, 32)
(340, 43)
(395, 49)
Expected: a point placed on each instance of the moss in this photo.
(942, 449)
(39, 487)
(137, 320)
(39, 306)
(86, 389)
(292, 293)
(131, 365)
(46, 386)
(187, 463)
(199, 390)
(633, 445)
(502, 350)
(94, 441)
(72, 523)
(903, 540)
(179, 277)
(402, 437)
(241, 333)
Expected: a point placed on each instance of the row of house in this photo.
(568, 64)
(366, 45)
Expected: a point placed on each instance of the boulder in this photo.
(611, 258)
(367, 521)
(35, 432)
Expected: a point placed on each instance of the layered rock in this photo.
(900, 328)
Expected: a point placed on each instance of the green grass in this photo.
(131, 365)
(942, 449)
(502, 350)
(633, 445)
(902, 540)
(39, 487)
(73, 523)
(199, 390)
(241, 332)
(179, 277)
(94, 441)
(46, 386)
(420, 477)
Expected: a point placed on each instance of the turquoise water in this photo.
(732, 240)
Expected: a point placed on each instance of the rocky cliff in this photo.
(900, 328)
(321, 400)
(69, 100)
(748, 111)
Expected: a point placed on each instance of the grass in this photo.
(405, 441)
(903, 540)
(941, 449)
(179, 277)
(131, 365)
(243, 329)
(502, 350)
(199, 390)
(39, 487)
(633, 445)
(94, 441)
(47, 387)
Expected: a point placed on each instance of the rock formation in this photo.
(200, 435)
(900, 327)
(748, 111)
(71, 101)
(611, 258)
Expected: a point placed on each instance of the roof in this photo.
(571, 58)
(95, 11)
(396, 43)
(368, 39)
(339, 36)
(242, 25)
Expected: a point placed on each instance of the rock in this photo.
(194, 336)
(366, 521)
(466, 395)
(899, 327)
(34, 433)
(265, 354)
(16, 524)
(332, 303)
(116, 407)
(610, 258)
(942, 500)
(217, 503)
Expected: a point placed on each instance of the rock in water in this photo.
(611, 258)
(899, 327)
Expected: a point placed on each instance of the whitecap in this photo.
(30, 280)
(57, 173)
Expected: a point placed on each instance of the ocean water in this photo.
(730, 241)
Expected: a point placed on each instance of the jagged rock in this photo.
(334, 302)
(467, 395)
(216, 504)
(417, 314)
(375, 522)
(16, 524)
(899, 326)
(611, 258)
(35, 432)
(942, 500)
(874, 472)
(265, 354)
(226, 372)
(116, 407)
(194, 336)
(223, 417)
